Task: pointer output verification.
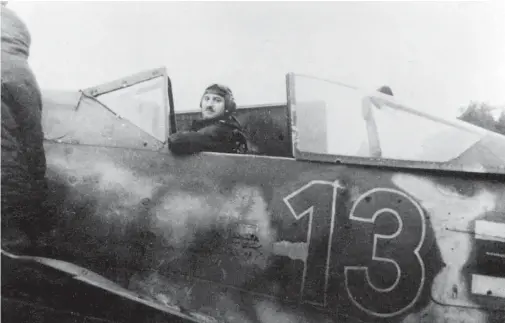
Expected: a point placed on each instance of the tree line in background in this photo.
(484, 115)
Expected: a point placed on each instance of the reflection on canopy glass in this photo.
(143, 104)
(336, 119)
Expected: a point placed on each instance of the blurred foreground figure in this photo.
(23, 160)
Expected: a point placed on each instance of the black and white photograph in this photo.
(253, 161)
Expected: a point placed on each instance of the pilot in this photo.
(217, 131)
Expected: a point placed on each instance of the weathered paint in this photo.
(218, 234)
(262, 239)
(488, 286)
(453, 215)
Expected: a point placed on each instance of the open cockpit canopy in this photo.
(324, 121)
(334, 122)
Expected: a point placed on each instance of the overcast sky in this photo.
(437, 55)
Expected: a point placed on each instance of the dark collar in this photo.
(202, 123)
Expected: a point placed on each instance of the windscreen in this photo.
(144, 104)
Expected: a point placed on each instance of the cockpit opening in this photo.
(322, 121)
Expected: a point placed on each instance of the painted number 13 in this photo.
(397, 252)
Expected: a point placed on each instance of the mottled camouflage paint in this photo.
(226, 236)
(148, 221)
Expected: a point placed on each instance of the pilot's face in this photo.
(213, 106)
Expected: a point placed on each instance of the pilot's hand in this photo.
(174, 137)
(177, 143)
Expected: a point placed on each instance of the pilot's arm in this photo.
(211, 138)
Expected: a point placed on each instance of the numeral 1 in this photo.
(314, 201)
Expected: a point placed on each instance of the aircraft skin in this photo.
(241, 238)
(113, 201)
